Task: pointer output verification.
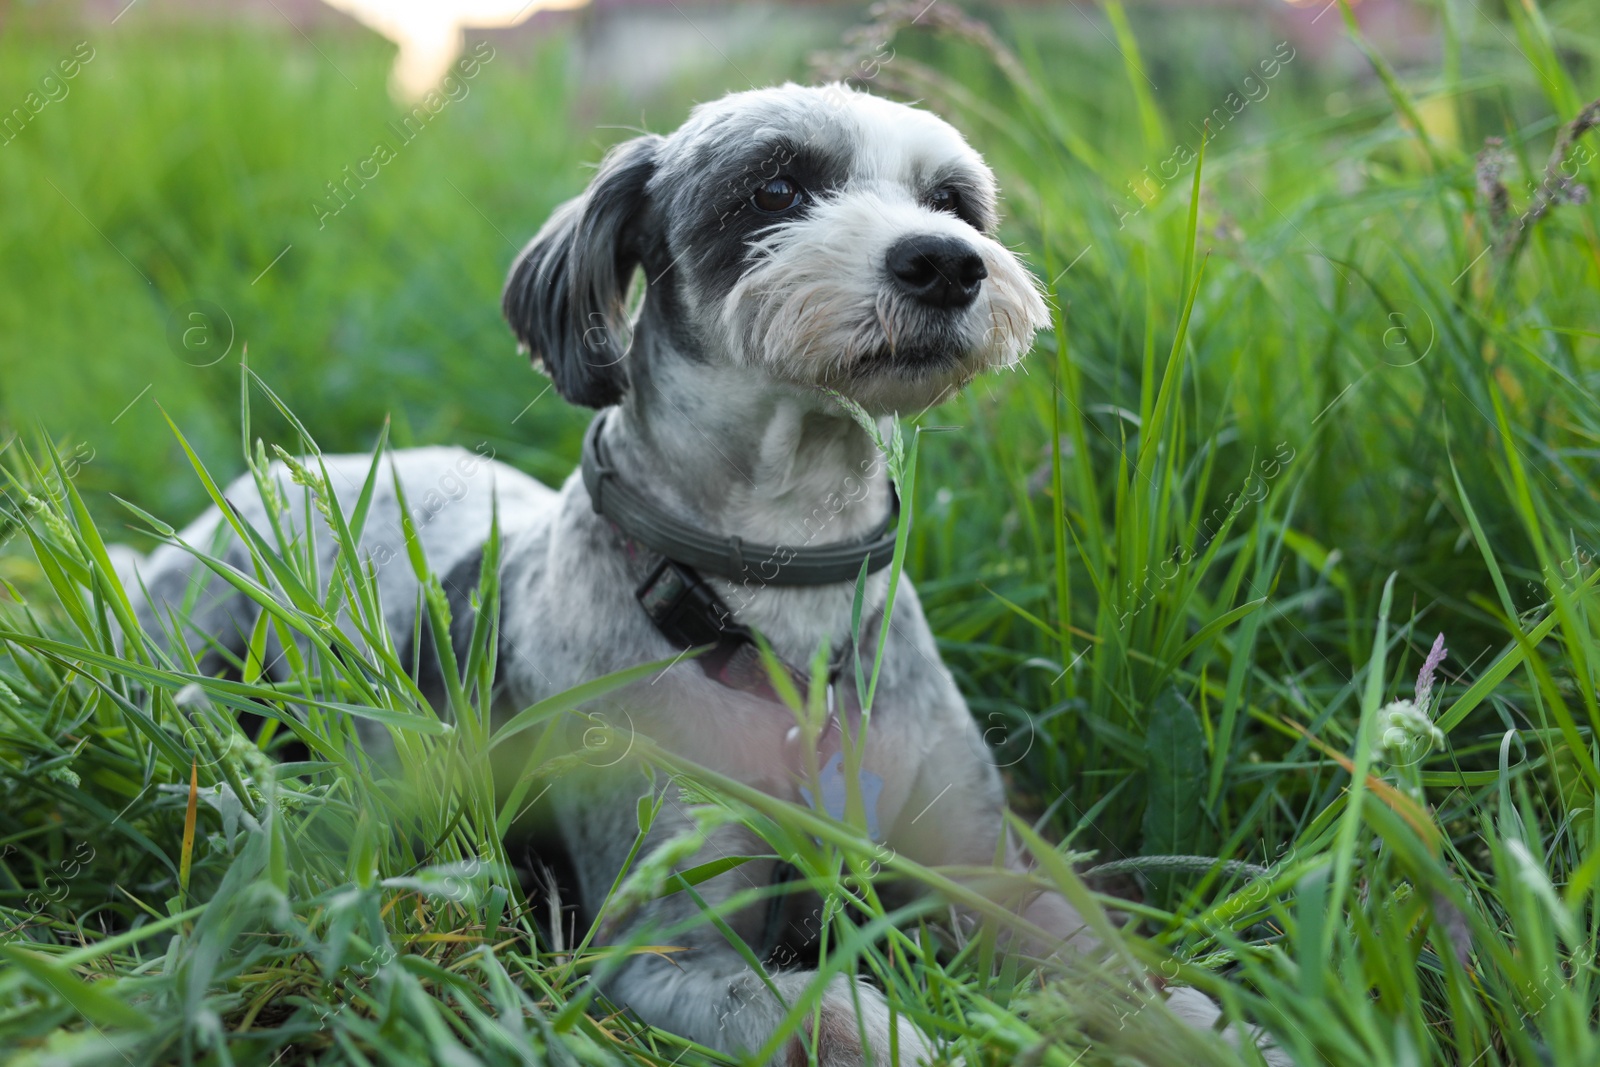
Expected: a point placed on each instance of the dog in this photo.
(808, 254)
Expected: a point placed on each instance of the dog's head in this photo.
(826, 237)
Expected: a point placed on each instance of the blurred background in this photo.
(209, 180)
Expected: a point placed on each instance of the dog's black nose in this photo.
(942, 272)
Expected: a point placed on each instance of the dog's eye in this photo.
(945, 198)
(777, 194)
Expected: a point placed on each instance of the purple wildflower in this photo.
(1430, 665)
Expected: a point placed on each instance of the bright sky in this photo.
(429, 32)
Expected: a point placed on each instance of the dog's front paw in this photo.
(837, 1029)
(1202, 1013)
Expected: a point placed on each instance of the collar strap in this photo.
(728, 557)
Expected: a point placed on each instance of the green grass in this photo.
(1283, 435)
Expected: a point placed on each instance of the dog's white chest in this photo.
(831, 761)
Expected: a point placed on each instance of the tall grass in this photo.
(1309, 404)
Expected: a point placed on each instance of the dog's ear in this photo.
(566, 295)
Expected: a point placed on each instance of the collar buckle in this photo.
(686, 610)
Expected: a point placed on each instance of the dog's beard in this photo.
(815, 308)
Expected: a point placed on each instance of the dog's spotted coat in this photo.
(792, 241)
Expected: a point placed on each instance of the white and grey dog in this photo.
(795, 242)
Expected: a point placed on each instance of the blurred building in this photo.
(641, 43)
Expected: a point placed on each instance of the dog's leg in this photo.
(706, 991)
(958, 785)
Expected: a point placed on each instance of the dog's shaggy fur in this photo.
(792, 241)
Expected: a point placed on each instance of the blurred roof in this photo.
(429, 33)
